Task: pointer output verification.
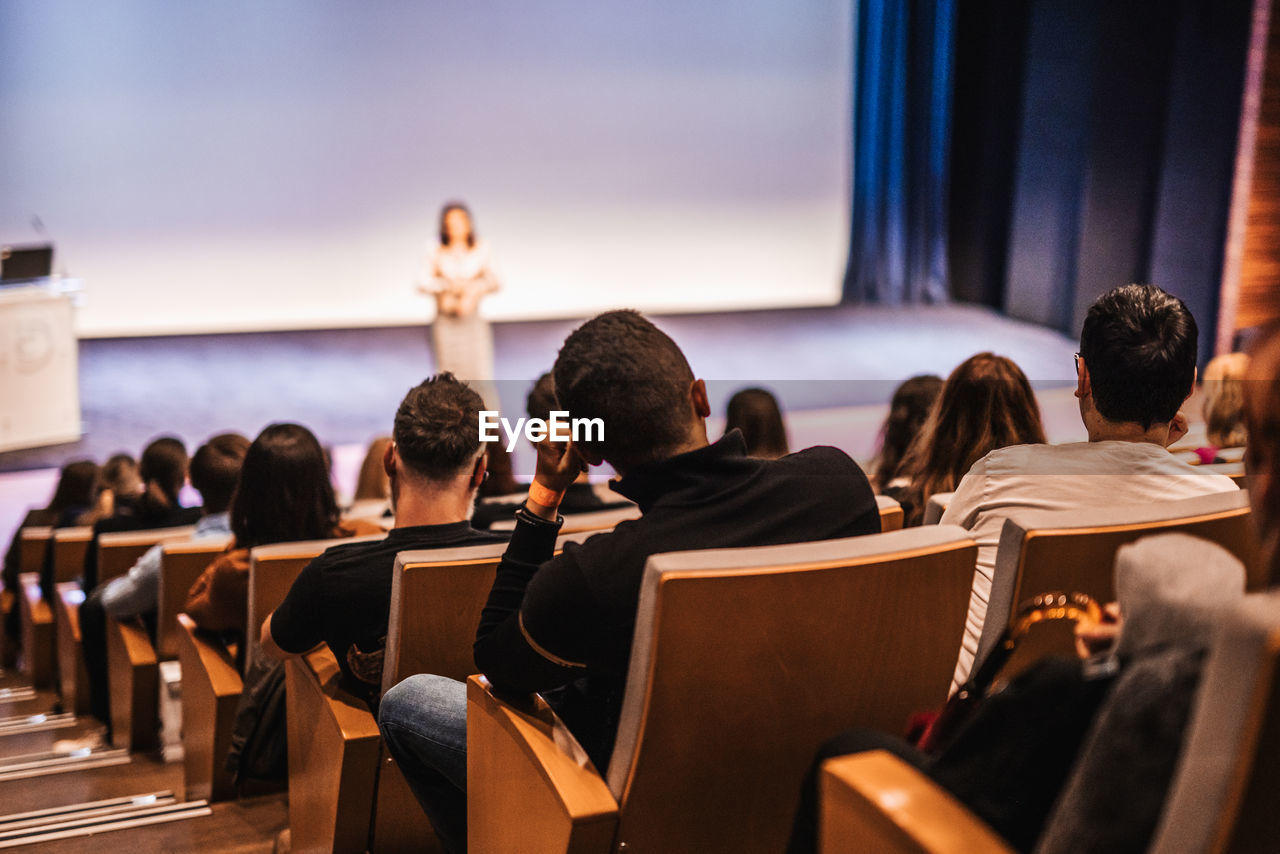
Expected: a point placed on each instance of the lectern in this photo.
(39, 383)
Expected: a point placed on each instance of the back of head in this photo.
(620, 368)
(284, 493)
(120, 475)
(1223, 409)
(373, 484)
(986, 403)
(75, 486)
(541, 399)
(163, 469)
(1262, 454)
(437, 428)
(907, 413)
(756, 413)
(1139, 346)
(215, 469)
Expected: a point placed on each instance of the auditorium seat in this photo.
(345, 790)
(211, 682)
(935, 507)
(891, 513)
(744, 662)
(73, 680)
(38, 643)
(69, 548)
(33, 543)
(133, 660)
(119, 551)
(1073, 551)
(1222, 797)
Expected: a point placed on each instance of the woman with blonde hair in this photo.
(986, 403)
(1223, 407)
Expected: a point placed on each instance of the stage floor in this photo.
(833, 369)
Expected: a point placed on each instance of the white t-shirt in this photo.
(1059, 477)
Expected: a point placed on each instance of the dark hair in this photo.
(119, 471)
(163, 469)
(622, 369)
(1139, 344)
(457, 206)
(284, 494)
(541, 399)
(755, 412)
(75, 486)
(215, 468)
(907, 413)
(985, 404)
(437, 429)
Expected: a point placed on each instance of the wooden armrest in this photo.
(36, 617)
(333, 757)
(73, 679)
(211, 688)
(523, 791)
(874, 801)
(134, 679)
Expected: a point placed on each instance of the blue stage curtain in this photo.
(901, 129)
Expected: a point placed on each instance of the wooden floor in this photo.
(246, 826)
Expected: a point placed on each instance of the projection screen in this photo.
(226, 165)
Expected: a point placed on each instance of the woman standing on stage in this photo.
(459, 273)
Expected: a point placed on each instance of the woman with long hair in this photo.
(756, 413)
(907, 413)
(459, 273)
(986, 403)
(1223, 408)
(283, 495)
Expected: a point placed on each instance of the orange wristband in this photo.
(544, 497)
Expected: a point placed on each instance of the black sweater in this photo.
(563, 625)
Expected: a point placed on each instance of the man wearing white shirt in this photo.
(1135, 369)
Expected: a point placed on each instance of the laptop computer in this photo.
(22, 263)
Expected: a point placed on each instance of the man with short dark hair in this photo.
(1136, 367)
(563, 624)
(343, 598)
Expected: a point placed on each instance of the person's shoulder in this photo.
(818, 459)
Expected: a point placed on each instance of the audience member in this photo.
(214, 470)
(501, 478)
(1223, 408)
(1136, 367)
(564, 624)
(907, 413)
(283, 495)
(1262, 456)
(756, 413)
(118, 480)
(71, 497)
(163, 469)
(373, 489)
(579, 497)
(985, 404)
(343, 598)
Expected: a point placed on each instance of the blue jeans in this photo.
(424, 724)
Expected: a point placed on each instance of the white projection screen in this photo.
(226, 165)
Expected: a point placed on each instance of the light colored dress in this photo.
(463, 344)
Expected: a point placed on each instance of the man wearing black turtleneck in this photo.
(563, 625)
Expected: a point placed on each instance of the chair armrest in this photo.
(134, 677)
(874, 801)
(211, 687)
(524, 792)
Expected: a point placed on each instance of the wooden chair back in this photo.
(33, 543)
(744, 661)
(1074, 551)
(69, 548)
(436, 599)
(891, 514)
(181, 564)
(1225, 795)
(272, 570)
(118, 552)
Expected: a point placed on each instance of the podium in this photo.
(39, 371)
